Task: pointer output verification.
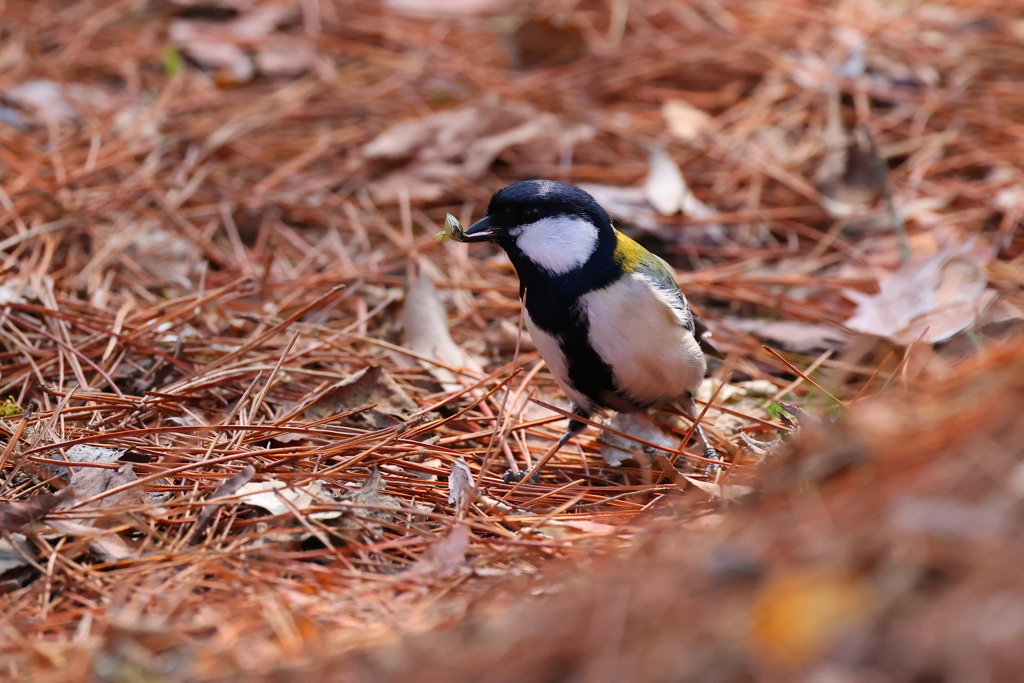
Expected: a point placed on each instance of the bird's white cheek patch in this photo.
(557, 244)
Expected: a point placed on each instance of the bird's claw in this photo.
(511, 477)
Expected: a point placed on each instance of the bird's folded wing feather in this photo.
(660, 275)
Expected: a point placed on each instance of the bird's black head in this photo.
(546, 226)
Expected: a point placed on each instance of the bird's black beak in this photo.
(483, 231)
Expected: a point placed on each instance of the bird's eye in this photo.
(531, 215)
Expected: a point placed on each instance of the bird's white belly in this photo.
(652, 356)
(551, 351)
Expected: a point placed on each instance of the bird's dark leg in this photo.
(574, 428)
(686, 403)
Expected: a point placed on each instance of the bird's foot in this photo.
(511, 477)
(711, 469)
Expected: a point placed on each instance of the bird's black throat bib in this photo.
(554, 303)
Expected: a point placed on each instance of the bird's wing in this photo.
(662, 277)
(703, 334)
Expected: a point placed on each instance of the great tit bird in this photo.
(605, 313)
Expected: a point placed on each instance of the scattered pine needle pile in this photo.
(256, 417)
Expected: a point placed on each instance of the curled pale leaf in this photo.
(683, 120)
(584, 525)
(759, 449)
(452, 229)
(460, 484)
(722, 491)
(426, 332)
(271, 496)
(664, 186)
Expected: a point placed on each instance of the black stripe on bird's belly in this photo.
(589, 374)
(566, 321)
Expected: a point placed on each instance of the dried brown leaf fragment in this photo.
(461, 143)
(446, 556)
(16, 515)
(382, 402)
(928, 299)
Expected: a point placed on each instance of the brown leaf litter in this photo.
(902, 565)
(461, 144)
(239, 48)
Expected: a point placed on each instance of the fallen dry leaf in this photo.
(684, 120)
(667, 191)
(425, 323)
(743, 399)
(88, 453)
(57, 102)
(107, 545)
(616, 449)
(847, 176)
(92, 481)
(236, 49)
(664, 192)
(16, 515)
(760, 449)
(372, 385)
(229, 487)
(584, 525)
(721, 491)
(626, 204)
(461, 490)
(15, 552)
(791, 335)
(164, 255)
(444, 557)
(369, 504)
(271, 495)
(462, 143)
(664, 186)
(286, 56)
(929, 299)
(88, 482)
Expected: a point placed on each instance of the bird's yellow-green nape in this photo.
(628, 254)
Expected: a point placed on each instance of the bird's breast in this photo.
(651, 355)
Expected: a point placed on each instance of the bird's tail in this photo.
(703, 335)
